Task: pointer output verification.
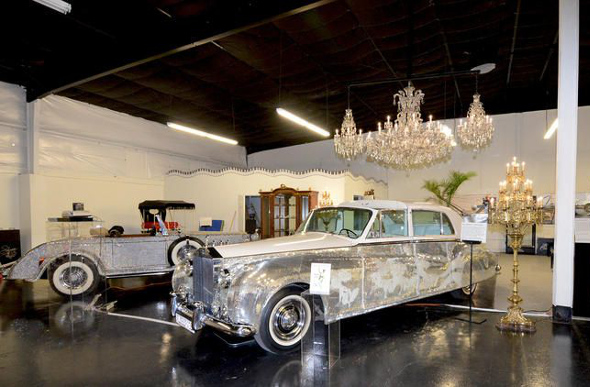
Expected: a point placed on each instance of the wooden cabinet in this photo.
(283, 210)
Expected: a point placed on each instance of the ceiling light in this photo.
(196, 132)
(300, 121)
(57, 5)
(484, 68)
(551, 130)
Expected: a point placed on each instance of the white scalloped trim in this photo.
(270, 172)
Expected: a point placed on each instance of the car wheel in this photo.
(184, 246)
(464, 292)
(75, 277)
(285, 320)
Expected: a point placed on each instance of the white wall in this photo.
(220, 195)
(9, 201)
(12, 152)
(315, 155)
(112, 199)
(108, 160)
(81, 138)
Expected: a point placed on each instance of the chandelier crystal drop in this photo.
(409, 143)
(348, 143)
(478, 129)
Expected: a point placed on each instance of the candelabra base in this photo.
(515, 321)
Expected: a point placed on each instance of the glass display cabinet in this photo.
(283, 210)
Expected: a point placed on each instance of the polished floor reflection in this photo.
(46, 341)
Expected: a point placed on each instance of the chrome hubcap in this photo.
(467, 290)
(187, 252)
(289, 320)
(73, 277)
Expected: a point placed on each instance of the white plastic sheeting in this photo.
(85, 139)
(12, 129)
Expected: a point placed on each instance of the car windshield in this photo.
(350, 222)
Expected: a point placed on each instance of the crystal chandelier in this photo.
(477, 130)
(409, 143)
(349, 143)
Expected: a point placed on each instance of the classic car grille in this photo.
(203, 279)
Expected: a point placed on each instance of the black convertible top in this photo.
(166, 205)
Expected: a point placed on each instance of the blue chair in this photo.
(216, 225)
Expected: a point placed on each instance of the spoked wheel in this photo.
(75, 277)
(183, 248)
(285, 320)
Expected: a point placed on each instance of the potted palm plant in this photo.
(444, 190)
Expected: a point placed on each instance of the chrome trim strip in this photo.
(143, 274)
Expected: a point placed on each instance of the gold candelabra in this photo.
(325, 200)
(515, 208)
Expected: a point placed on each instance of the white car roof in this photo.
(376, 204)
(391, 205)
(397, 205)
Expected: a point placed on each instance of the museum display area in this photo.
(296, 193)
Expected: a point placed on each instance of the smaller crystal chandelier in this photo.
(477, 130)
(349, 143)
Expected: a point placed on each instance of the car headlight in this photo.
(182, 278)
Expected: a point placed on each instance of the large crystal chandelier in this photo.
(409, 143)
(349, 143)
(477, 130)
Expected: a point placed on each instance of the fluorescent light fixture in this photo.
(300, 121)
(551, 130)
(57, 5)
(484, 68)
(196, 132)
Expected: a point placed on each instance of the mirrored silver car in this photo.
(75, 266)
(382, 253)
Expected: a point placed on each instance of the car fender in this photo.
(33, 264)
(252, 287)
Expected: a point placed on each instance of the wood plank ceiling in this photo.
(247, 58)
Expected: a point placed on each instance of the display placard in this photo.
(320, 278)
(474, 232)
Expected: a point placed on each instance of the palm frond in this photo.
(444, 190)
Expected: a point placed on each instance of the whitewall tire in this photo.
(75, 277)
(285, 320)
(182, 246)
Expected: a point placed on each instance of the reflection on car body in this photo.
(382, 253)
(75, 265)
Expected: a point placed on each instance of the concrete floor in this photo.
(46, 341)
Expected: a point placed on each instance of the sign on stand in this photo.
(474, 229)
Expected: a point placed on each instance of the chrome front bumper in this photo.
(198, 317)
